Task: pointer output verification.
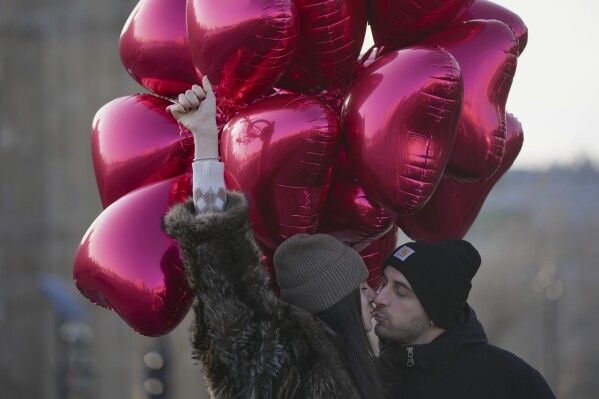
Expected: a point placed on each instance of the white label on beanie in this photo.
(403, 253)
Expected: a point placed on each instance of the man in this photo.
(432, 344)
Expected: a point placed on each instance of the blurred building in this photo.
(536, 289)
(59, 64)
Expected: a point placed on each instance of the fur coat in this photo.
(250, 343)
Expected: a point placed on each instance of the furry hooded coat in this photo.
(250, 343)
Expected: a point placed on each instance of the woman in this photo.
(311, 342)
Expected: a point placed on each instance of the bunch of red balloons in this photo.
(411, 135)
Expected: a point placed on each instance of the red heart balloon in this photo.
(487, 54)
(402, 22)
(135, 142)
(483, 9)
(154, 48)
(373, 255)
(350, 215)
(454, 206)
(126, 263)
(280, 152)
(330, 39)
(400, 116)
(244, 47)
(376, 253)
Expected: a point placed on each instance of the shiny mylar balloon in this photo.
(330, 38)
(402, 22)
(154, 48)
(376, 253)
(454, 206)
(401, 114)
(483, 9)
(349, 215)
(243, 46)
(126, 263)
(487, 53)
(280, 152)
(135, 142)
(367, 58)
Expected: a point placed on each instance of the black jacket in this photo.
(250, 343)
(459, 364)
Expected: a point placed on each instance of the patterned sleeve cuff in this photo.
(209, 193)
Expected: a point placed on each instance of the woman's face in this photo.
(367, 295)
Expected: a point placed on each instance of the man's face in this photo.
(399, 314)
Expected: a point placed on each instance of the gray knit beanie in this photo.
(316, 271)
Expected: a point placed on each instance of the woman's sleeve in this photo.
(209, 186)
(238, 319)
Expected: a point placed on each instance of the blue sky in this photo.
(555, 93)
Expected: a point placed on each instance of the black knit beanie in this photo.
(440, 274)
(316, 271)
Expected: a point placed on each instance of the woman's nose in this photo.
(371, 295)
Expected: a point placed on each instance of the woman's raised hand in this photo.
(196, 109)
